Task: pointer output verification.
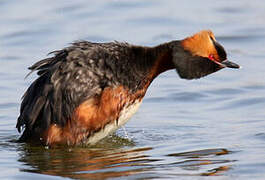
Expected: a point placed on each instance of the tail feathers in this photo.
(42, 66)
(40, 107)
(35, 111)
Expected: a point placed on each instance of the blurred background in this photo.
(184, 129)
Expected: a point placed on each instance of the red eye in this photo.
(211, 57)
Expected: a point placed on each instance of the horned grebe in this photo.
(88, 90)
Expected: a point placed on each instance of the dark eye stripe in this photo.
(220, 50)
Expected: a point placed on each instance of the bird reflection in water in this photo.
(120, 159)
(195, 160)
(103, 160)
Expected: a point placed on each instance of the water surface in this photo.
(184, 129)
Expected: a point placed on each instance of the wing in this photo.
(65, 80)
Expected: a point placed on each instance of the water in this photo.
(184, 129)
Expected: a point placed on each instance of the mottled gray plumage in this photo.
(77, 73)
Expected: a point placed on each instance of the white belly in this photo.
(125, 115)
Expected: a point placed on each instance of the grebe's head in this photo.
(202, 55)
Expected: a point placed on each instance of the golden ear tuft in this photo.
(200, 44)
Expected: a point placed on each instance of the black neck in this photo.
(146, 63)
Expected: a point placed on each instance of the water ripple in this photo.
(181, 124)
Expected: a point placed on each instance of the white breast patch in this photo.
(125, 115)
